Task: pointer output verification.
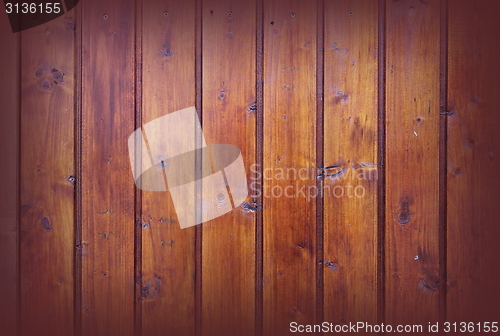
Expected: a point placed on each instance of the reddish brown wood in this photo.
(412, 223)
(47, 178)
(108, 221)
(141, 273)
(350, 195)
(168, 81)
(9, 177)
(229, 114)
(289, 145)
(473, 180)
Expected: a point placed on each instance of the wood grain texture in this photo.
(412, 224)
(140, 273)
(289, 146)
(229, 116)
(473, 152)
(350, 189)
(108, 74)
(46, 171)
(9, 176)
(168, 79)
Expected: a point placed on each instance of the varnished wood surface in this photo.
(168, 252)
(47, 173)
(289, 146)
(412, 163)
(350, 140)
(107, 120)
(391, 106)
(9, 178)
(229, 117)
(473, 143)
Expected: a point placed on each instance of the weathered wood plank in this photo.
(473, 151)
(108, 75)
(350, 189)
(47, 178)
(168, 79)
(412, 223)
(229, 115)
(9, 176)
(289, 147)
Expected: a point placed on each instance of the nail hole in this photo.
(230, 14)
(272, 23)
(165, 14)
(292, 14)
(105, 16)
(419, 120)
(221, 197)
(47, 32)
(412, 10)
(350, 13)
(166, 53)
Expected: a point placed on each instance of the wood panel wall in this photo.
(369, 132)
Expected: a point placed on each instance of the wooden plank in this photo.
(9, 176)
(168, 78)
(412, 224)
(108, 74)
(350, 192)
(289, 147)
(473, 152)
(47, 178)
(229, 116)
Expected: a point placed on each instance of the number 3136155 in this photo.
(33, 8)
(470, 327)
